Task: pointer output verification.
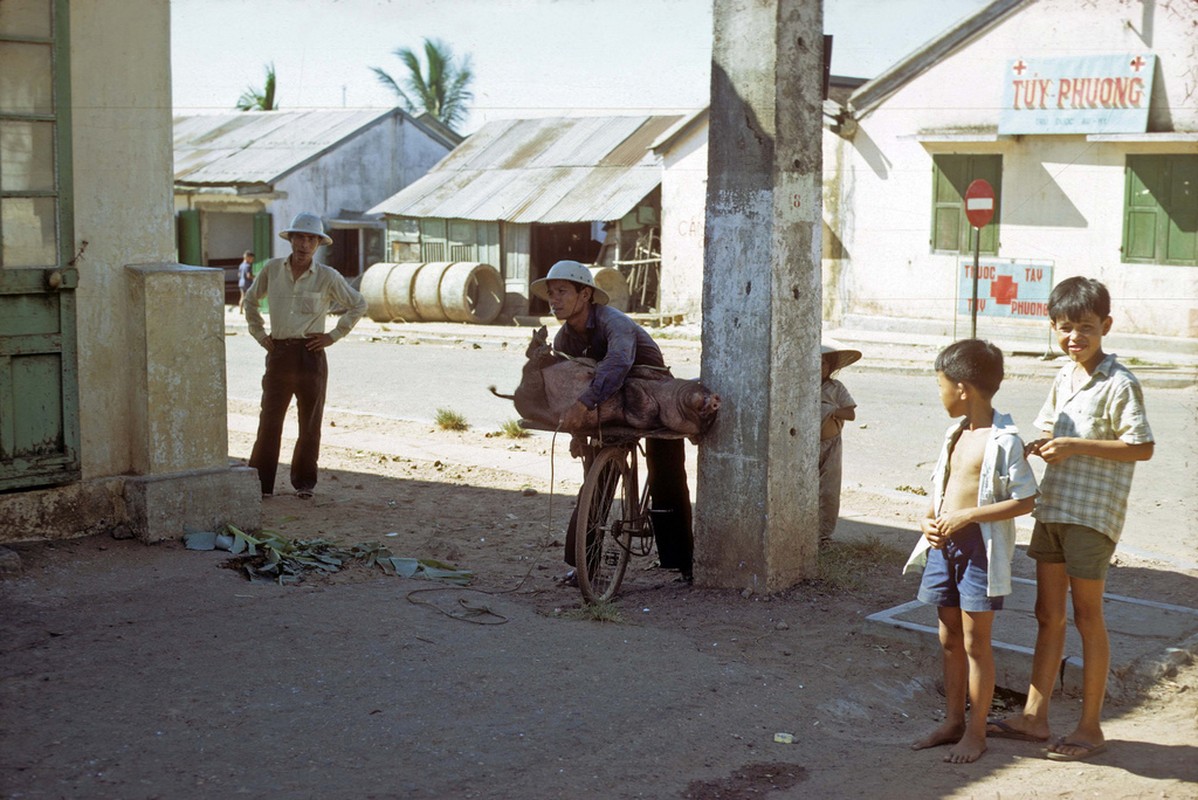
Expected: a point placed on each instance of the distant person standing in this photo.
(300, 292)
(837, 406)
(245, 277)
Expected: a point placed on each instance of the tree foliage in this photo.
(253, 100)
(440, 87)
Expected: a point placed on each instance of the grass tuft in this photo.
(849, 566)
(512, 430)
(448, 420)
(596, 612)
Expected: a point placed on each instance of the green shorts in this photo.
(1085, 552)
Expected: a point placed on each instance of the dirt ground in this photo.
(151, 672)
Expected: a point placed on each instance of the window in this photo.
(32, 145)
(952, 174)
(1160, 210)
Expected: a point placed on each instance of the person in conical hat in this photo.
(836, 407)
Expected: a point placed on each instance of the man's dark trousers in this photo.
(670, 503)
(669, 506)
(292, 370)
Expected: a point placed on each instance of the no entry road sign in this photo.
(979, 203)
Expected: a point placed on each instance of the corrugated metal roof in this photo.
(249, 147)
(553, 169)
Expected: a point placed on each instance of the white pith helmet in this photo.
(307, 222)
(569, 271)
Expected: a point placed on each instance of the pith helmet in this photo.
(569, 271)
(306, 222)
(841, 357)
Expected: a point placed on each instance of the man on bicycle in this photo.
(593, 329)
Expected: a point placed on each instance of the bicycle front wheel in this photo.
(606, 505)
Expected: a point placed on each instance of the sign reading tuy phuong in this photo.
(1091, 94)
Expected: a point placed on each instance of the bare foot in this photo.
(968, 750)
(947, 733)
(1021, 727)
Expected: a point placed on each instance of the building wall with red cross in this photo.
(1078, 198)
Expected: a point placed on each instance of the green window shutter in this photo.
(187, 228)
(1181, 240)
(1144, 182)
(263, 241)
(948, 205)
(1160, 212)
(952, 174)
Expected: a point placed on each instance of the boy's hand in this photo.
(931, 531)
(949, 524)
(1054, 451)
(1032, 448)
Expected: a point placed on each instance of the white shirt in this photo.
(298, 307)
(1005, 475)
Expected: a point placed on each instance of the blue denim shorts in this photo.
(956, 575)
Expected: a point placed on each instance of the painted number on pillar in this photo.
(796, 201)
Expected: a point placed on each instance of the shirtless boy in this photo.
(981, 483)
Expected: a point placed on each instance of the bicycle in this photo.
(613, 522)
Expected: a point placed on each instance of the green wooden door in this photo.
(39, 416)
(39, 395)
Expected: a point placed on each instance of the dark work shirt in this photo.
(616, 343)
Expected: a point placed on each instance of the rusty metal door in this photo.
(39, 395)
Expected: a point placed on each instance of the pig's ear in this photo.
(543, 332)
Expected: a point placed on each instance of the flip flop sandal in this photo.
(1087, 751)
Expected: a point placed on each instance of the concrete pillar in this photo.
(758, 483)
(179, 445)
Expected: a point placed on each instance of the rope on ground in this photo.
(474, 614)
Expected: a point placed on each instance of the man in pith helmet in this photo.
(300, 291)
(593, 329)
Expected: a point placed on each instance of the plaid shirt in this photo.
(1084, 490)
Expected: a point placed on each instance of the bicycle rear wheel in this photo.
(607, 507)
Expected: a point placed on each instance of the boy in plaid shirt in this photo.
(1095, 432)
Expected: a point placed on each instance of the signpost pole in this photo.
(977, 247)
(979, 209)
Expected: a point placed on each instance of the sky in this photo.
(529, 57)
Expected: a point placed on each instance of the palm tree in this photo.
(253, 100)
(442, 90)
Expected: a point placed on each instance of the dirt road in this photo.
(152, 672)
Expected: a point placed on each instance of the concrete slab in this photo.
(1146, 637)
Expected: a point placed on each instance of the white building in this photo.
(1083, 117)
(241, 177)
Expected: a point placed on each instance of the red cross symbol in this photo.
(1004, 289)
(1019, 67)
(1137, 63)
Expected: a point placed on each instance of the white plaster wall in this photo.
(1062, 195)
(683, 221)
(358, 174)
(121, 132)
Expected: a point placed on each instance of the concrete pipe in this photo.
(613, 282)
(387, 288)
(426, 291)
(471, 292)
